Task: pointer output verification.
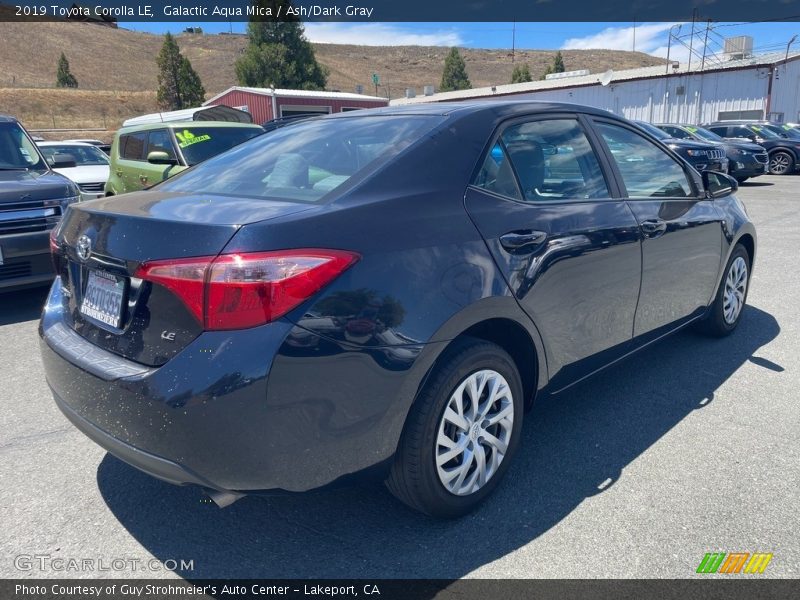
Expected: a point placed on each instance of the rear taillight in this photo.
(55, 251)
(236, 291)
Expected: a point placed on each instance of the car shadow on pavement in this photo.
(574, 446)
(756, 184)
(23, 305)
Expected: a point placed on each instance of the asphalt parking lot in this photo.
(692, 446)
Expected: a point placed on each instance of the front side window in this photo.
(17, 152)
(646, 169)
(159, 141)
(305, 161)
(552, 160)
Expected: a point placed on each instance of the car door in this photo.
(158, 140)
(681, 229)
(567, 247)
(131, 155)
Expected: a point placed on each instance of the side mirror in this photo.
(718, 185)
(63, 161)
(158, 157)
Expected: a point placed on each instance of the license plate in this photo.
(103, 298)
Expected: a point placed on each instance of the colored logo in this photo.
(734, 562)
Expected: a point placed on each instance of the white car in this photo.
(91, 165)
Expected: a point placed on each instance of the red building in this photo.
(266, 104)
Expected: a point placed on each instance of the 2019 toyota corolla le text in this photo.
(381, 293)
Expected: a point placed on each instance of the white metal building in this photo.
(755, 87)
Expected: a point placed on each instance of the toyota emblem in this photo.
(84, 247)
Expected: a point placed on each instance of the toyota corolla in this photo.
(381, 293)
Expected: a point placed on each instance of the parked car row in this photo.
(749, 148)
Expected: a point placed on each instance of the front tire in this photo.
(726, 312)
(781, 163)
(461, 433)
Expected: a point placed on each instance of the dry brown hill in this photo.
(119, 60)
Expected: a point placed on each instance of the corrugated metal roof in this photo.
(763, 60)
(283, 93)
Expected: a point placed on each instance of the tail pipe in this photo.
(223, 499)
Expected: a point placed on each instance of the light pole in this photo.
(791, 41)
(669, 43)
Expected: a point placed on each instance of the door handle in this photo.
(653, 227)
(119, 173)
(143, 178)
(529, 239)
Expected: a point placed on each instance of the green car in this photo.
(143, 155)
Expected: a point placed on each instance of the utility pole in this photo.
(705, 45)
(634, 33)
(513, 40)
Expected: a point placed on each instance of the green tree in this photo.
(278, 53)
(454, 76)
(521, 74)
(65, 79)
(556, 67)
(179, 85)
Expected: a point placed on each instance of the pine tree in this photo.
(65, 79)
(556, 67)
(454, 76)
(521, 74)
(278, 53)
(179, 85)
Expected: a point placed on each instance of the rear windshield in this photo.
(304, 161)
(201, 143)
(84, 155)
(17, 151)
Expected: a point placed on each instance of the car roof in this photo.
(509, 107)
(180, 124)
(7, 119)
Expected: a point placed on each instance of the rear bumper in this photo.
(242, 411)
(26, 260)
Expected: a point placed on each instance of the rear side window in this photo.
(497, 175)
(646, 169)
(552, 161)
(131, 146)
(304, 161)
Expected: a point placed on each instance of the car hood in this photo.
(743, 145)
(33, 185)
(86, 174)
(690, 144)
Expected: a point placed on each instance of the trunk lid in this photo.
(100, 245)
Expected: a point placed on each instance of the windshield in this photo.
(84, 155)
(305, 161)
(201, 143)
(653, 130)
(784, 132)
(764, 132)
(17, 151)
(704, 133)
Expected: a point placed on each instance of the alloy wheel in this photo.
(474, 432)
(779, 163)
(735, 289)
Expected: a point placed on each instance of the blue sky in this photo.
(650, 37)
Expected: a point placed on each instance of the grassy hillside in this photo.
(121, 65)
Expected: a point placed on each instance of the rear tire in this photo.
(781, 163)
(741, 180)
(461, 433)
(726, 312)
